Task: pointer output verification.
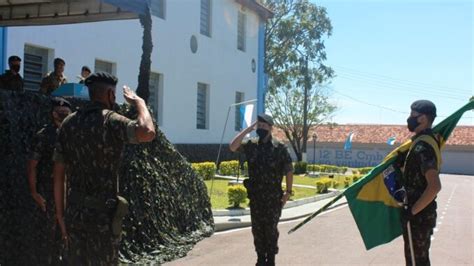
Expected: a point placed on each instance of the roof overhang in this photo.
(256, 6)
(54, 12)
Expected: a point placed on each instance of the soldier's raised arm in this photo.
(145, 130)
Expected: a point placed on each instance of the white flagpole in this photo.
(222, 137)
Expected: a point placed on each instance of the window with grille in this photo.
(241, 23)
(206, 17)
(202, 110)
(155, 100)
(35, 66)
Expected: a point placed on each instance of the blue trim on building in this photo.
(261, 76)
(3, 48)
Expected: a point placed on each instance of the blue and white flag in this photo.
(348, 144)
(391, 141)
(246, 112)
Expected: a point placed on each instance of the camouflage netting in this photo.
(169, 204)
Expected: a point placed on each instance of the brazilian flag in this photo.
(372, 199)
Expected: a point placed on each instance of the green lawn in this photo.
(311, 181)
(219, 198)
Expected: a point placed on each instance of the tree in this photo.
(294, 62)
(287, 110)
(143, 89)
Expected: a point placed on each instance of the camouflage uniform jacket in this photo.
(42, 150)
(90, 144)
(267, 164)
(9, 81)
(420, 159)
(51, 82)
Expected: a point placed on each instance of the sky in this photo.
(387, 54)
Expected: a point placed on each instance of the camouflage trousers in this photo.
(48, 240)
(421, 231)
(89, 248)
(265, 213)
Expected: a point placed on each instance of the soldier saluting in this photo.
(88, 150)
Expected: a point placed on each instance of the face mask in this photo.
(413, 123)
(262, 133)
(15, 68)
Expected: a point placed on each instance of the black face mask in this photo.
(262, 133)
(413, 123)
(15, 68)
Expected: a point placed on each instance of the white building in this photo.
(207, 55)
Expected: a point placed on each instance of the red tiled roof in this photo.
(462, 135)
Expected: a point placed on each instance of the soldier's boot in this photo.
(261, 257)
(270, 260)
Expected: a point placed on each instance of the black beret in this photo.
(86, 68)
(265, 118)
(58, 102)
(14, 58)
(424, 107)
(59, 60)
(101, 77)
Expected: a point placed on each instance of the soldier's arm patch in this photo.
(122, 128)
(428, 159)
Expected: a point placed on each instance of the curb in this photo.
(219, 227)
(290, 204)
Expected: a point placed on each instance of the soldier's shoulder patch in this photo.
(419, 148)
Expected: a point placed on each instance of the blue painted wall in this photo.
(262, 77)
(3, 49)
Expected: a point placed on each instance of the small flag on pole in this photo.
(348, 144)
(391, 141)
(246, 112)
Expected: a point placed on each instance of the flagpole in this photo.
(309, 218)
(222, 137)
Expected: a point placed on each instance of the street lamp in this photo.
(315, 137)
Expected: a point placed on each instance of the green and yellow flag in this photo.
(375, 211)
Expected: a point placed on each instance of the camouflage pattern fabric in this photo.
(42, 149)
(267, 163)
(51, 82)
(169, 204)
(420, 159)
(90, 144)
(8, 81)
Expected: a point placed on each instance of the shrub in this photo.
(355, 178)
(342, 170)
(323, 185)
(229, 168)
(237, 194)
(206, 170)
(335, 184)
(364, 170)
(314, 168)
(300, 168)
(347, 181)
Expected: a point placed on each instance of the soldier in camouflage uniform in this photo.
(421, 182)
(55, 79)
(12, 79)
(40, 178)
(89, 150)
(268, 161)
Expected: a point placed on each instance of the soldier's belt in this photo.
(90, 202)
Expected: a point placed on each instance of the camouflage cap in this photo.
(424, 107)
(101, 77)
(265, 118)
